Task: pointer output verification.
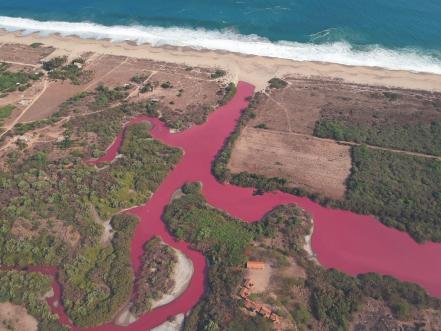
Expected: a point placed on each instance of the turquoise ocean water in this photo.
(398, 34)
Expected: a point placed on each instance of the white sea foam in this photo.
(228, 40)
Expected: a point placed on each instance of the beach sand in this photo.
(253, 69)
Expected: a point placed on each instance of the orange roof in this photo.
(251, 305)
(255, 265)
(265, 311)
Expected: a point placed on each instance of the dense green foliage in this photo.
(133, 177)
(100, 280)
(73, 71)
(228, 94)
(54, 63)
(43, 249)
(416, 137)
(223, 240)
(154, 278)
(277, 83)
(12, 81)
(54, 183)
(217, 235)
(218, 74)
(404, 191)
(5, 112)
(333, 296)
(28, 289)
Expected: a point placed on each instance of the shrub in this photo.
(277, 83)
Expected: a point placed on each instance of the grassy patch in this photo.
(5, 112)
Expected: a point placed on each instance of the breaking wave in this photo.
(228, 40)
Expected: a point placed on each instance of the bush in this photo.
(218, 74)
(277, 83)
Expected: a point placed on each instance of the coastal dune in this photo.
(254, 69)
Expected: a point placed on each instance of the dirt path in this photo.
(10, 126)
(21, 64)
(96, 81)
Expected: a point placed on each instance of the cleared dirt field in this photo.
(307, 162)
(13, 317)
(304, 101)
(23, 53)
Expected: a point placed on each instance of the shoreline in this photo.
(252, 68)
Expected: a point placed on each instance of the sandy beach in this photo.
(253, 69)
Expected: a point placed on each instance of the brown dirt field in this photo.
(195, 90)
(306, 162)
(24, 53)
(261, 278)
(13, 317)
(20, 100)
(48, 103)
(291, 109)
(304, 101)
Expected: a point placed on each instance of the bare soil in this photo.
(261, 278)
(24, 53)
(313, 164)
(13, 317)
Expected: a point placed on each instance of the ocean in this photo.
(399, 34)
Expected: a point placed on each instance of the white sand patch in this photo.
(182, 275)
(308, 244)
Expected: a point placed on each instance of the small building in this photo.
(265, 312)
(251, 305)
(257, 265)
(248, 283)
(275, 318)
(244, 293)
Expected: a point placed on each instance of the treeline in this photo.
(403, 191)
(28, 289)
(155, 276)
(333, 296)
(414, 137)
(99, 281)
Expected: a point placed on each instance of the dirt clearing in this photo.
(24, 54)
(13, 317)
(307, 162)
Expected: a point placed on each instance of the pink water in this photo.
(342, 240)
